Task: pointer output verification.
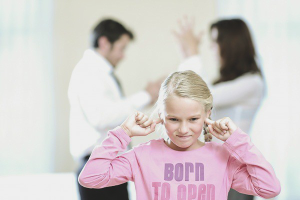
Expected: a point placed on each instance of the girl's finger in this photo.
(158, 121)
(219, 127)
(213, 132)
(143, 120)
(139, 116)
(223, 124)
(146, 123)
(209, 121)
(150, 129)
(216, 129)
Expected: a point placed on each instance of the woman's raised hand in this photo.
(139, 124)
(222, 128)
(187, 40)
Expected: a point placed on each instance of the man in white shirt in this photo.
(97, 101)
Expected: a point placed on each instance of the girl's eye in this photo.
(194, 119)
(173, 119)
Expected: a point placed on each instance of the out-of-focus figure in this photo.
(97, 100)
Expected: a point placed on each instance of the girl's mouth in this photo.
(184, 137)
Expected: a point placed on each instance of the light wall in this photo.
(152, 55)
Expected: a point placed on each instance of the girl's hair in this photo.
(186, 84)
(237, 51)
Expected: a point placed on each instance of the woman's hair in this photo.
(236, 49)
(186, 84)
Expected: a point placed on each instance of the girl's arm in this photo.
(249, 171)
(96, 98)
(104, 168)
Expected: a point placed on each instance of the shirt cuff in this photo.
(234, 136)
(122, 134)
(140, 100)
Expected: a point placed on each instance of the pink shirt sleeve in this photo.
(252, 173)
(104, 168)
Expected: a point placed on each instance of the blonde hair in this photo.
(186, 84)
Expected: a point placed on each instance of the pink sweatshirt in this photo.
(161, 173)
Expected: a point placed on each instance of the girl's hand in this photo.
(139, 124)
(222, 128)
(187, 40)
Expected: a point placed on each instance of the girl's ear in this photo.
(160, 117)
(208, 114)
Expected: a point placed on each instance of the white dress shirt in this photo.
(238, 99)
(96, 103)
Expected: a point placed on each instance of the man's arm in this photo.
(100, 106)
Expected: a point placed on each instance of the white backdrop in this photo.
(26, 93)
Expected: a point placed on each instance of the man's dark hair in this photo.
(111, 29)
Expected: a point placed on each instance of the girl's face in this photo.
(183, 120)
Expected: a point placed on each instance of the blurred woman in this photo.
(238, 71)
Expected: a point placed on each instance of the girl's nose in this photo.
(183, 129)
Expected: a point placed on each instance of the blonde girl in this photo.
(181, 167)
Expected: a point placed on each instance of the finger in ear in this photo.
(208, 121)
(213, 132)
(159, 121)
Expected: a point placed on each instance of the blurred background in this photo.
(41, 42)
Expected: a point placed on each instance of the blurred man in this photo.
(97, 101)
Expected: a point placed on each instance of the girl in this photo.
(181, 167)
